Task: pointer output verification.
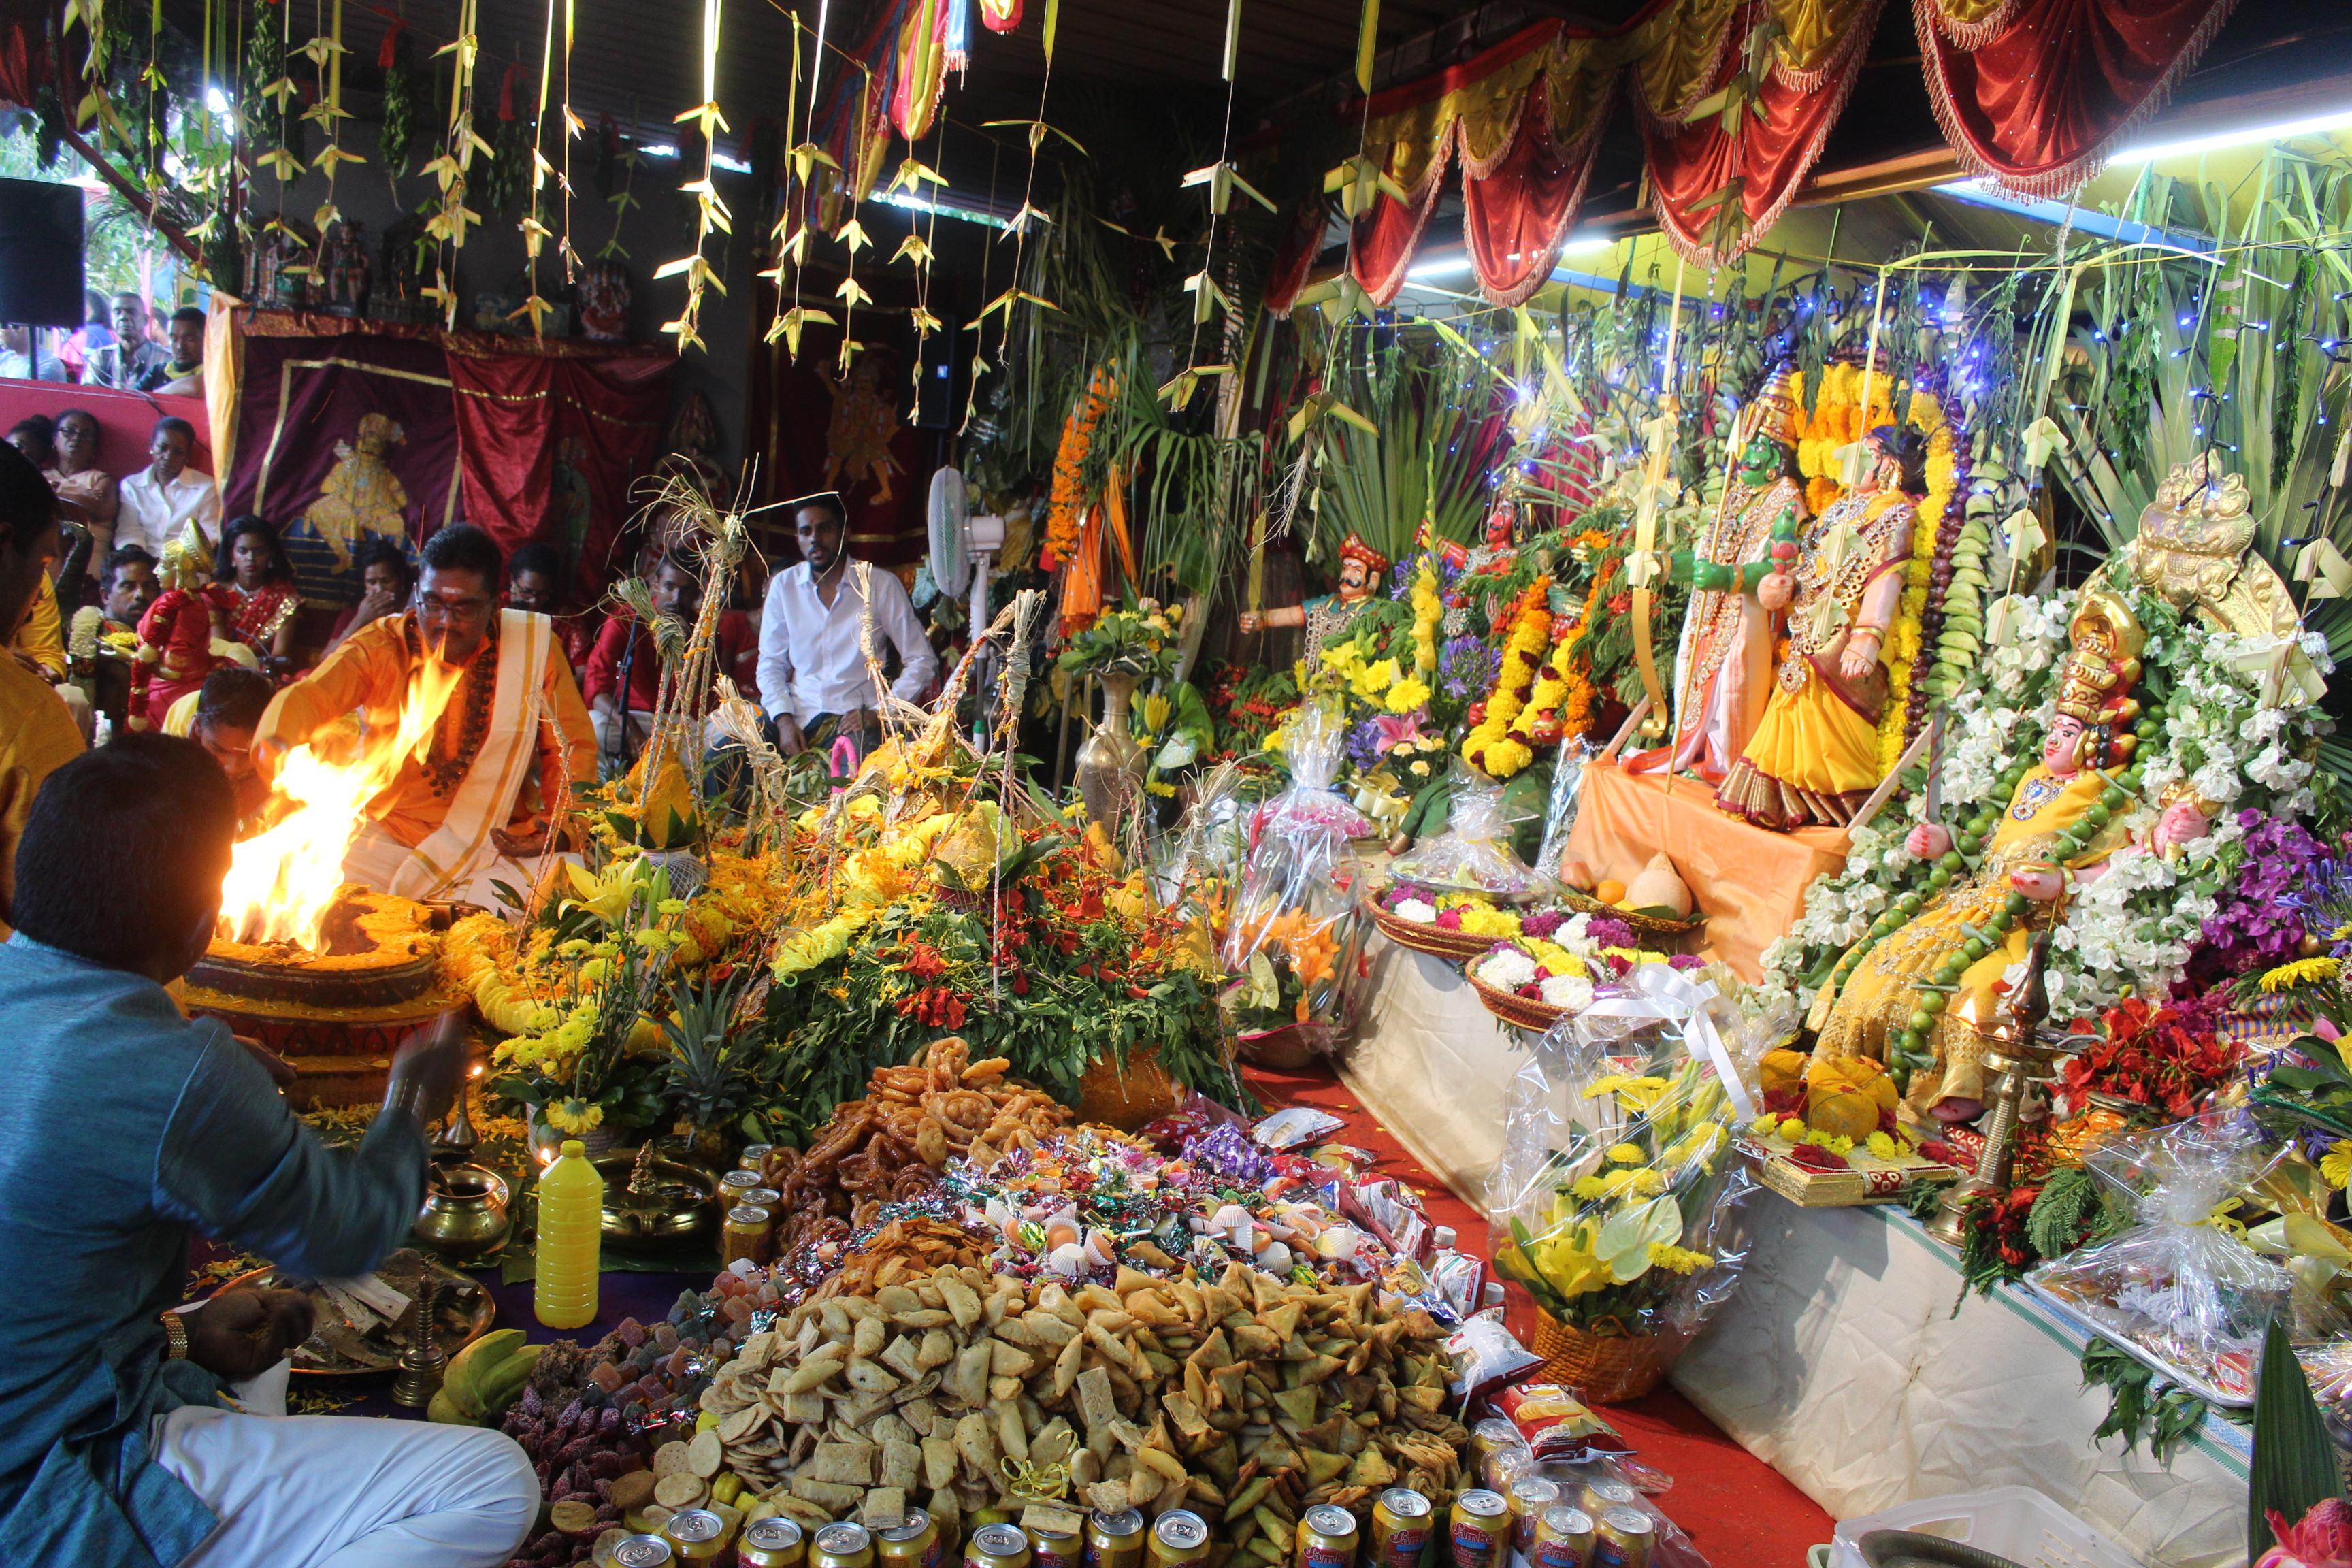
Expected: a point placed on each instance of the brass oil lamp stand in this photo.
(2021, 1058)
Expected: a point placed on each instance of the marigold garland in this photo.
(1490, 747)
(1066, 501)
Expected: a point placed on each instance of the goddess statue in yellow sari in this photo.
(1814, 755)
(1924, 989)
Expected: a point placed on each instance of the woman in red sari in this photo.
(255, 590)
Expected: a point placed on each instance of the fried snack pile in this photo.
(1247, 1400)
(889, 1146)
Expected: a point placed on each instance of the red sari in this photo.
(255, 618)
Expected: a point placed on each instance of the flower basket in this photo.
(1649, 925)
(1458, 947)
(1523, 1011)
(1611, 1369)
(1129, 1098)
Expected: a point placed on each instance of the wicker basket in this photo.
(1523, 1011)
(1648, 925)
(1610, 1368)
(1457, 947)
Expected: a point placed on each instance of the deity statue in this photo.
(604, 302)
(2191, 548)
(1500, 550)
(1928, 994)
(858, 439)
(1813, 757)
(362, 495)
(343, 270)
(1725, 661)
(176, 634)
(1362, 567)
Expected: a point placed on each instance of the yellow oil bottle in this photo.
(571, 1231)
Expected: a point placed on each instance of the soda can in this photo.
(747, 1232)
(1327, 1538)
(772, 1543)
(1623, 1540)
(642, 1552)
(1480, 1530)
(1563, 1539)
(755, 1155)
(913, 1543)
(1178, 1537)
(696, 1535)
(765, 1197)
(734, 1184)
(842, 1545)
(1115, 1540)
(1400, 1528)
(1055, 1547)
(1531, 1495)
(997, 1546)
(1606, 1493)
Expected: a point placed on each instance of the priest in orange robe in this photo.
(461, 796)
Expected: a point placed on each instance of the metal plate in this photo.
(463, 1313)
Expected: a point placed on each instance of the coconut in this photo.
(1657, 888)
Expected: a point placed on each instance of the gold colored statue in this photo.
(2192, 549)
(1928, 994)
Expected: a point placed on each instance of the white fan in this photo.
(961, 543)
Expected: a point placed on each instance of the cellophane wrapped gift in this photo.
(1314, 746)
(1473, 855)
(1619, 1201)
(1293, 935)
(2181, 1285)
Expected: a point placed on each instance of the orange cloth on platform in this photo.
(368, 676)
(1749, 882)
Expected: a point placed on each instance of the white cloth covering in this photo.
(337, 1491)
(810, 660)
(153, 514)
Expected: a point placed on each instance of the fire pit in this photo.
(336, 1013)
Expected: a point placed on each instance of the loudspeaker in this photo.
(40, 253)
(936, 382)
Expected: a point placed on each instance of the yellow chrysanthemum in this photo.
(1881, 1146)
(2302, 972)
(2336, 1165)
(1406, 695)
(1588, 1187)
(575, 1115)
(1628, 1154)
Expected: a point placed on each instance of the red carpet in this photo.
(1737, 1509)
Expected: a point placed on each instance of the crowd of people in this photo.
(116, 346)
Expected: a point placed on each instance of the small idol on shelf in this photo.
(1922, 991)
(1726, 658)
(1813, 758)
(1362, 567)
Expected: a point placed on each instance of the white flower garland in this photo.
(2131, 928)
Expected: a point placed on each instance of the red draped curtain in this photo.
(2035, 93)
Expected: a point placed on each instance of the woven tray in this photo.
(1438, 942)
(1518, 1010)
(1610, 1369)
(1653, 925)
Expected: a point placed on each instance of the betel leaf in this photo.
(507, 893)
(2293, 1465)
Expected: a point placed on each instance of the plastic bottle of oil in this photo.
(570, 1228)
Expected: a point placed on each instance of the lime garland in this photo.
(1908, 1052)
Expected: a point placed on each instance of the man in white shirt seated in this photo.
(813, 672)
(161, 500)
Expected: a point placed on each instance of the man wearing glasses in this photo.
(497, 697)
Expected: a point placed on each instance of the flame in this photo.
(281, 883)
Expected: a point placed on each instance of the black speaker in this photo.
(40, 253)
(938, 383)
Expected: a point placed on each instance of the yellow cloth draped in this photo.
(1814, 745)
(1879, 997)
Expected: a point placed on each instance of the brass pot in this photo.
(466, 1211)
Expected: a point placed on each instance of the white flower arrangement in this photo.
(1507, 970)
(2132, 926)
(1573, 992)
(1416, 910)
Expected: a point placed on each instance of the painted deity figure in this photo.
(1725, 661)
(858, 439)
(2060, 827)
(1813, 758)
(176, 634)
(362, 495)
(1361, 568)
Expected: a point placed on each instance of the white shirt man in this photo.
(162, 498)
(812, 663)
(22, 359)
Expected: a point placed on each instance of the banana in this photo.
(502, 1385)
(445, 1410)
(469, 1368)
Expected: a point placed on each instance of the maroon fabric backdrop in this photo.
(549, 448)
(299, 445)
(1515, 216)
(2037, 94)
